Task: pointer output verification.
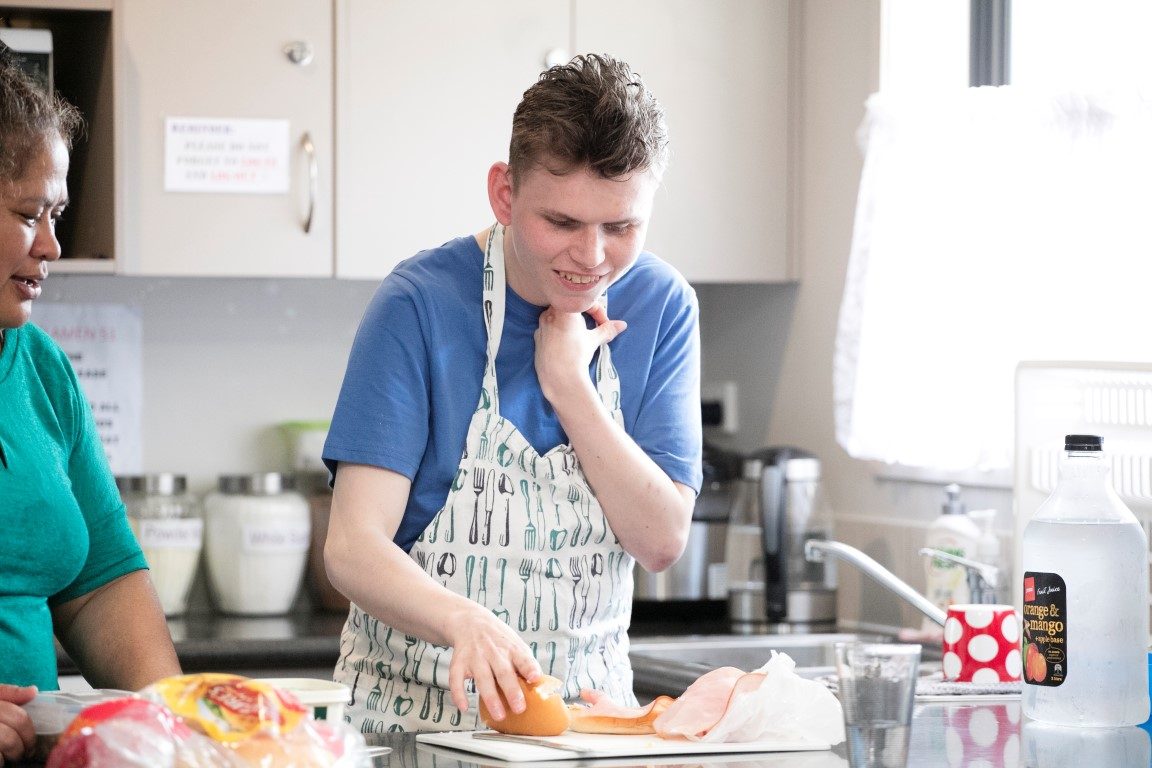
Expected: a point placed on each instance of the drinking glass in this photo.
(877, 690)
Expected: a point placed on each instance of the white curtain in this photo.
(993, 225)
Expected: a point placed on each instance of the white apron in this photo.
(520, 533)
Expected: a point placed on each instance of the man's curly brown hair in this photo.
(593, 112)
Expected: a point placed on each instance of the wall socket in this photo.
(718, 405)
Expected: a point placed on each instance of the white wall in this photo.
(836, 63)
(743, 332)
(838, 67)
(225, 360)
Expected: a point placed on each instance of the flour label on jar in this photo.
(284, 536)
(170, 534)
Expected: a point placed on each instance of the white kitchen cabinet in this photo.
(720, 68)
(222, 60)
(407, 104)
(425, 95)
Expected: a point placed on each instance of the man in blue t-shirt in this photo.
(518, 425)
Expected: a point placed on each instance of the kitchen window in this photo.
(993, 224)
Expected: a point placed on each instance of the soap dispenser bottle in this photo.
(988, 550)
(956, 533)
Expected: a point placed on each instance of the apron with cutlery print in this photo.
(520, 533)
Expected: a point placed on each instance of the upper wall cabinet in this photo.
(402, 106)
(254, 79)
(425, 95)
(720, 68)
(81, 36)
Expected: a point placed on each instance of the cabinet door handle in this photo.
(313, 179)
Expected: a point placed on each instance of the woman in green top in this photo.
(69, 564)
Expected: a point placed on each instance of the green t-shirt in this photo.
(63, 528)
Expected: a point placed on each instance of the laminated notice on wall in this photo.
(103, 342)
(240, 155)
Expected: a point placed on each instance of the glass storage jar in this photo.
(168, 523)
(257, 530)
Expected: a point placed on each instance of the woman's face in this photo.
(29, 208)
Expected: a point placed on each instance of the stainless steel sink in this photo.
(669, 664)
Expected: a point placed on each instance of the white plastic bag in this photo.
(784, 706)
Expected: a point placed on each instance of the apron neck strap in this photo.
(607, 381)
(494, 295)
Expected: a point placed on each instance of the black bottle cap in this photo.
(1081, 442)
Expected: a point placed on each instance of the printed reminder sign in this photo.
(103, 342)
(239, 155)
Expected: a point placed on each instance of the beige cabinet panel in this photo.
(222, 60)
(720, 68)
(424, 107)
(425, 95)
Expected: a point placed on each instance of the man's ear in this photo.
(500, 192)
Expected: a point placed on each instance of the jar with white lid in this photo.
(168, 523)
(256, 543)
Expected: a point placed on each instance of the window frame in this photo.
(989, 42)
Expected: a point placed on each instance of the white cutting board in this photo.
(604, 745)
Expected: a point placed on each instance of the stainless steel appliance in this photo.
(699, 575)
(694, 576)
(777, 507)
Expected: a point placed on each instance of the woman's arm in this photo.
(109, 619)
(117, 635)
(367, 566)
(649, 512)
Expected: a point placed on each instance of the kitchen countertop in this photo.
(307, 642)
(952, 734)
(213, 642)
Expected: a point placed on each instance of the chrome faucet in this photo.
(983, 579)
(817, 550)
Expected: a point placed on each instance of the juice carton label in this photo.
(1045, 637)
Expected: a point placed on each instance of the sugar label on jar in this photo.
(294, 536)
(1045, 639)
(170, 534)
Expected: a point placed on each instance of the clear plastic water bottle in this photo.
(1085, 609)
(1043, 745)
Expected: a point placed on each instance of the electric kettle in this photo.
(697, 581)
(777, 507)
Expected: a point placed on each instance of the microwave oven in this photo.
(32, 50)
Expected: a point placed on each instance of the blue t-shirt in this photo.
(415, 371)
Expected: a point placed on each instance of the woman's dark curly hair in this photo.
(29, 118)
(593, 112)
